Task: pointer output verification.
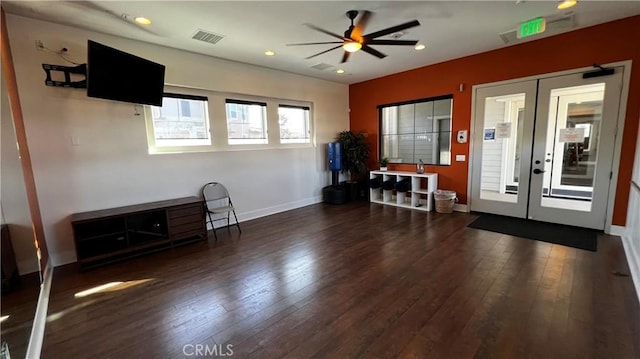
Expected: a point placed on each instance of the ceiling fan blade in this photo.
(393, 29)
(345, 57)
(392, 42)
(323, 52)
(326, 32)
(373, 52)
(358, 30)
(316, 43)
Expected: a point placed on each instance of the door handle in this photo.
(538, 171)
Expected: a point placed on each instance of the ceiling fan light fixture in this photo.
(269, 53)
(340, 71)
(419, 47)
(565, 4)
(142, 20)
(355, 38)
(351, 46)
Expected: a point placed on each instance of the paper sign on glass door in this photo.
(571, 135)
(503, 130)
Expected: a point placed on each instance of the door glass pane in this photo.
(571, 154)
(501, 147)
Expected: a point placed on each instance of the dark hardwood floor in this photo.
(355, 280)
(17, 309)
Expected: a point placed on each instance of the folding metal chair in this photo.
(217, 201)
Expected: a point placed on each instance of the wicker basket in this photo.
(445, 201)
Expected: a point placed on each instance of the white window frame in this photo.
(247, 141)
(307, 125)
(166, 146)
(217, 126)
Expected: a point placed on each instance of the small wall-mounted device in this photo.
(462, 136)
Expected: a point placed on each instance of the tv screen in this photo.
(116, 75)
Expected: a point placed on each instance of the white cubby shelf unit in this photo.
(419, 197)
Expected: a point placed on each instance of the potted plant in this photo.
(355, 152)
(383, 163)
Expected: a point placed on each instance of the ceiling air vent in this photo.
(321, 66)
(555, 25)
(510, 37)
(207, 36)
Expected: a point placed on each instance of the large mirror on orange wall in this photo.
(417, 130)
(21, 275)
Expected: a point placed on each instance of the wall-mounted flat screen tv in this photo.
(116, 75)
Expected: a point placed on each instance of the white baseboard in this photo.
(633, 259)
(615, 230)
(40, 319)
(247, 216)
(460, 207)
(63, 258)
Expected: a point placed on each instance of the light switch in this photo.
(75, 140)
(461, 158)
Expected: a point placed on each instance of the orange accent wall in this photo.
(601, 44)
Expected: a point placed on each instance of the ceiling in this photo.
(449, 29)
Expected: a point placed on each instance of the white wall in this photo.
(111, 166)
(13, 194)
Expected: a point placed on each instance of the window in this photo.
(181, 122)
(246, 122)
(294, 124)
(417, 130)
(197, 120)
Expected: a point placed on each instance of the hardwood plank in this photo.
(356, 280)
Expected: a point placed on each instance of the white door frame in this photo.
(514, 205)
(626, 79)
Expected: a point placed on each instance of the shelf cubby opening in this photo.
(404, 189)
(148, 226)
(99, 229)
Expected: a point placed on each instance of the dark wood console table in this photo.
(113, 234)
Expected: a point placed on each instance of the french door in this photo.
(543, 149)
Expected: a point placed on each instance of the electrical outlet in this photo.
(39, 45)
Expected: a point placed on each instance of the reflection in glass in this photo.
(578, 167)
(417, 131)
(575, 117)
(500, 173)
(20, 263)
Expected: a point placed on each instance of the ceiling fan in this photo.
(354, 40)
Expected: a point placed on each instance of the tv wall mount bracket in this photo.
(67, 70)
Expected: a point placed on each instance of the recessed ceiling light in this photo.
(420, 47)
(142, 20)
(565, 4)
(340, 71)
(269, 53)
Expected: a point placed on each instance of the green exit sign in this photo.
(531, 27)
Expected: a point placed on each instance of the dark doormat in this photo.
(575, 237)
